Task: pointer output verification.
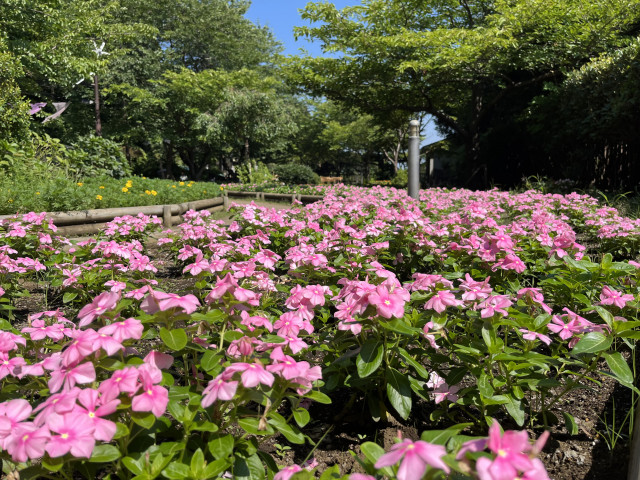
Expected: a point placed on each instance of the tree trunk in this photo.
(96, 101)
(246, 149)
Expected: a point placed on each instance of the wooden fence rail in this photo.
(89, 222)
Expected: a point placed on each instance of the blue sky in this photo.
(282, 15)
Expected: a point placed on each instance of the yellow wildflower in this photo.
(181, 183)
(173, 186)
(125, 189)
(37, 193)
(154, 193)
(147, 192)
(221, 188)
(98, 197)
(80, 184)
(101, 187)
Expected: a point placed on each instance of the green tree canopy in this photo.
(454, 59)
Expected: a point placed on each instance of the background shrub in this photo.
(94, 156)
(255, 173)
(296, 174)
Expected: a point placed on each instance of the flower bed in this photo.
(469, 308)
(63, 194)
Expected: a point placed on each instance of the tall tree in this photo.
(454, 59)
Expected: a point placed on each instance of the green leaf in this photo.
(52, 464)
(69, 297)
(290, 432)
(143, 419)
(372, 452)
(420, 370)
(441, 437)
(515, 409)
(210, 360)
(197, 463)
(398, 326)
(251, 424)
(619, 367)
(121, 431)
(494, 344)
(301, 416)
(221, 445)
(592, 342)
(248, 468)
(319, 397)
(570, 423)
(176, 471)
(104, 453)
(370, 358)
(215, 468)
(134, 466)
(176, 338)
(399, 392)
(604, 314)
(484, 386)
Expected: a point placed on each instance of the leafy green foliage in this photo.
(296, 174)
(14, 119)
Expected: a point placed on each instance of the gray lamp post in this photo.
(414, 158)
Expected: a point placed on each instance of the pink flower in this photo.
(219, 389)
(252, 374)
(108, 343)
(474, 290)
(83, 344)
(13, 412)
(27, 441)
(414, 457)
(251, 322)
(512, 456)
(39, 331)
(445, 392)
(158, 301)
(493, 305)
(388, 304)
(287, 472)
(315, 294)
(102, 303)
(564, 330)
(441, 300)
(10, 366)
(159, 360)
(59, 403)
(609, 296)
(122, 330)
(532, 336)
(121, 381)
(76, 435)
(69, 377)
(153, 398)
(96, 407)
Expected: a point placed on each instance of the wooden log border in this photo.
(89, 222)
